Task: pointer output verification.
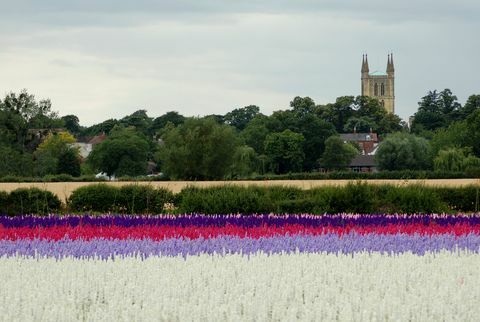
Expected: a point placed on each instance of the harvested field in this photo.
(64, 189)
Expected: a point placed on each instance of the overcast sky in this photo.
(101, 59)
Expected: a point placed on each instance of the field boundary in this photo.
(64, 189)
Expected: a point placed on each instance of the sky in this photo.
(101, 59)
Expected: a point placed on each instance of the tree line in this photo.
(302, 138)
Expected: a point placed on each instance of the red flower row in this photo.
(192, 232)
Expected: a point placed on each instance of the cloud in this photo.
(103, 59)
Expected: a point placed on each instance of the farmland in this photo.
(64, 189)
(237, 267)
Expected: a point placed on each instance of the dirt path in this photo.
(64, 189)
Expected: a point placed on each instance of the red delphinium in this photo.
(89, 232)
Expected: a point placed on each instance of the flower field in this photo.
(233, 267)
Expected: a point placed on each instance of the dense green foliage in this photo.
(403, 151)
(455, 159)
(242, 143)
(353, 198)
(124, 152)
(285, 151)
(134, 199)
(350, 175)
(198, 149)
(29, 201)
(235, 199)
(337, 154)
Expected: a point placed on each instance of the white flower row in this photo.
(306, 287)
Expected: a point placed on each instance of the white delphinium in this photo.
(307, 287)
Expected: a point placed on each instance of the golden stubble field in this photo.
(64, 189)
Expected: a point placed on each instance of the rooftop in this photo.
(378, 73)
(355, 137)
(363, 161)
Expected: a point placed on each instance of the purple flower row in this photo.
(330, 243)
(239, 220)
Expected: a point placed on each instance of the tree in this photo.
(449, 104)
(338, 154)
(402, 151)
(15, 163)
(173, 117)
(22, 104)
(20, 112)
(13, 129)
(71, 123)
(55, 143)
(244, 162)
(256, 131)
(455, 135)
(472, 105)
(124, 152)
(303, 120)
(104, 127)
(43, 117)
(240, 117)
(369, 107)
(198, 149)
(302, 105)
(455, 159)
(339, 112)
(138, 120)
(436, 110)
(54, 150)
(69, 162)
(390, 123)
(45, 164)
(315, 131)
(473, 131)
(360, 124)
(285, 151)
(220, 119)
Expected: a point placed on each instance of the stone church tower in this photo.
(380, 85)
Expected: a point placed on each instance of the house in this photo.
(368, 143)
(85, 148)
(363, 163)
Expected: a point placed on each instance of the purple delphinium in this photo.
(329, 243)
(240, 220)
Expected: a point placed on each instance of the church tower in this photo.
(379, 84)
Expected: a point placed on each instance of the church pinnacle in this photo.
(365, 64)
(380, 85)
(390, 68)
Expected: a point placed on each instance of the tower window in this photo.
(382, 102)
(375, 90)
(382, 90)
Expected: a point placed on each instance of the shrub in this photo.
(32, 201)
(137, 199)
(235, 199)
(58, 178)
(296, 206)
(411, 199)
(460, 199)
(3, 202)
(97, 197)
(134, 199)
(355, 197)
(349, 175)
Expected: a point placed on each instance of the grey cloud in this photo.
(102, 59)
(127, 12)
